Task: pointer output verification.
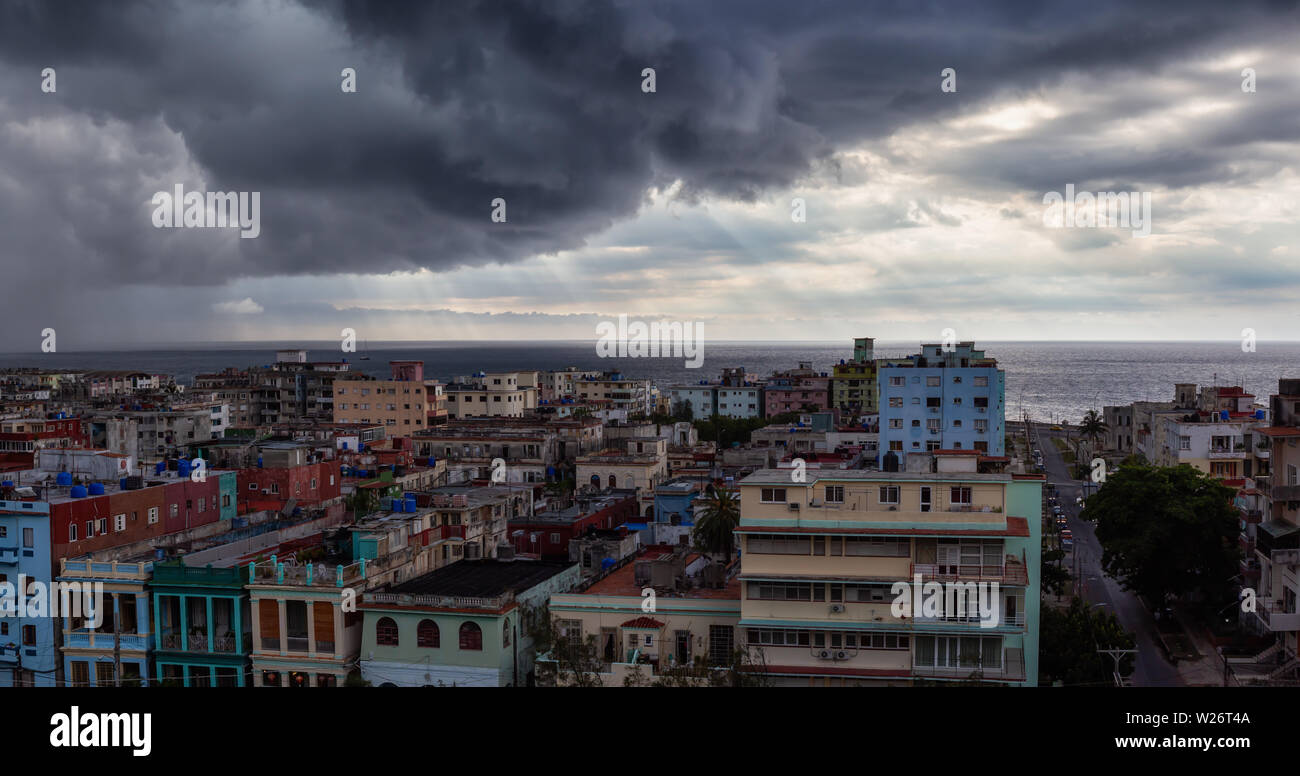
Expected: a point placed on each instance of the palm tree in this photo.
(1093, 426)
(716, 517)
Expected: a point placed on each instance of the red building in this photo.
(547, 534)
(272, 488)
(118, 517)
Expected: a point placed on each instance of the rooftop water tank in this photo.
(1259, 414)
(63, 479)
(345, 445)
(7, 484)
(1223, 415)
(259, 461)
(77, 491)
(159, 467)
(432, 461)
(121, 484)
(182, 468)
(96, 488)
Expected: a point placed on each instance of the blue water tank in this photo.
(63, 479)
(1259, 414)
(159, 553)
(182, 468)
(411, 504)
(1223, 414)
(77, 491)
(433, 461)
(259, 461)
(159, 468)
(7, 484)
(121, 484)
(345, 445)
(550, 471)
(96, 488)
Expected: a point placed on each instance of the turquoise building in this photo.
(201, 622)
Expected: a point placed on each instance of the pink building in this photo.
(795, 390)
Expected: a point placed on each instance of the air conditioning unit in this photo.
(793, 506)
(814, 502)
(824, 654)
(837, 608)
(842, 655)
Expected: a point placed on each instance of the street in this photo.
(1151, 670)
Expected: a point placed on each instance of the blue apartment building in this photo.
(28, 650)
(941, 399)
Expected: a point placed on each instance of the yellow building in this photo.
(822, 561)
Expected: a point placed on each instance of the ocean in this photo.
(1049, 380)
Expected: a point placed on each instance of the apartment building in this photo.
(625, 397)
(118, 651)
(563, 383)
(736, 395)
(853, 382)
(642, 465)
(693, 625)
(820, 560)
(464, 625)
(492, 394)
(1276, 534)
(796, 390)
(547, 533)
(943, 398)
(201, 625)
(150, 436)
(399, 404)
(28, 654)
(530, 453)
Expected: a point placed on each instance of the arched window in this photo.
(505, 633)
(426, 635)
(471, 636)
(386, 632)
(613, 481)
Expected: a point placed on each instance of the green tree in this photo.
(716, 517)
(1068, 643)
(1166, 531)
(1051, 572)
(1092, 427)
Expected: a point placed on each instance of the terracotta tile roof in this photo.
(643, 622)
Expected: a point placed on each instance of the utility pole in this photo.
(1115, 655)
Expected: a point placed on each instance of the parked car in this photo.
(1067, 544)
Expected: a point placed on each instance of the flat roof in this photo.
(483, 578)
(782, 476)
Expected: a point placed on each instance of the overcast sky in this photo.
(924, 208)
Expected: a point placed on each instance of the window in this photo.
(153, 515)
(29, 635)
(889, 494)
(119, 522)
(72, 532)
(932, 382)
(773, 496)
(981, 382)
(779, 638)
(895, 422)
(386, 632)
(175, 510)
(471, 636)
(834, 494)
(897, 381)
(895, 401)
(90, 529)
(29, 537)
(961, 495)
(252, 486)
(427, 635)
(780, 591)
(203, 505)
(778, 544)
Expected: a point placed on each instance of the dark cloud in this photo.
(539, 102)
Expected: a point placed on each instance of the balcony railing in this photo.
(1286, 492)
(1275, 616)
(1012, 572)
(1011, 670)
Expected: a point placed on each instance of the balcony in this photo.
(1011, 670)
(1246, 543)
(1220, 453)
(1252, 516)
(1275, 617)
(1012, 572)
(1285, 493)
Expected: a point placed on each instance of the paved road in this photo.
(1151, 669)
